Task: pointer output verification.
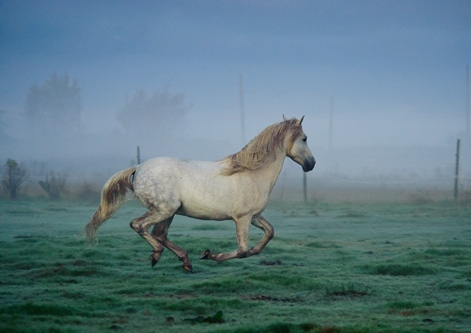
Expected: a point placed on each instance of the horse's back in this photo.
(168, 171)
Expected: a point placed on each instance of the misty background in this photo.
(383, 85)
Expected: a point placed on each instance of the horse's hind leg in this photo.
(159, 229)
(261, 223)
(160, 232)
(140, 225)
(143, 223)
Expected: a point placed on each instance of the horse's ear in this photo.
(284, 118)
(300, 121)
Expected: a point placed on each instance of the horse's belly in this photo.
(203, 212)
(206, 196)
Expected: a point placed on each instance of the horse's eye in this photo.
(305, 139)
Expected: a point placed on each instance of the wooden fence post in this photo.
(457, 168)
(305, 187)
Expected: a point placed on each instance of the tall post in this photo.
(241, 100)
(457, 168)
(331, 122)
(138, 155)
(467, 103)
(305, 187)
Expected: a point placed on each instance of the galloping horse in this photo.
(237, 187)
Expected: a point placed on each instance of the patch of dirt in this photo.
(270, 263)
(349, 293)
(273, 299)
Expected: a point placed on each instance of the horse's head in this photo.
(297, 148)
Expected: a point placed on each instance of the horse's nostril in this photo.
(309, 164)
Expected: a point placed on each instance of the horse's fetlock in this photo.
(183, 259)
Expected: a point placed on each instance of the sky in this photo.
(389, 72)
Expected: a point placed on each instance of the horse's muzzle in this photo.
(309, 164)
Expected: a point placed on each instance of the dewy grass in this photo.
(31, 309)
(399, 269)
(401, 305)
(392, 268)
(348, 290)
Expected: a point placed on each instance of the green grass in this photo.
(363, 267)
(399, 269)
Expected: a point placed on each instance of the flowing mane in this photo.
(262, 148)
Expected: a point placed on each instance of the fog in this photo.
(382, 84)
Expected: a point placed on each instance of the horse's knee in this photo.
(242, 253)
(136, 226)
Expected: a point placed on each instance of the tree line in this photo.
(53, 110)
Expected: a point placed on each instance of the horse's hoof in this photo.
(152, 259)
(205, 254)
(188, 268)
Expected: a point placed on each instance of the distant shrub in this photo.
(420, 197)
(87, 192)
(53, 186)
(14, 176)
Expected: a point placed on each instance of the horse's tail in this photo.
(113, 195)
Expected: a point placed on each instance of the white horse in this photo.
(237, 187)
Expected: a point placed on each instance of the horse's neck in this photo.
(269, 173)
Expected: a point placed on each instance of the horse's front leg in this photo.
(261, 223)
(242, 234)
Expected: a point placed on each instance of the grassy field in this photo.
(332, 267)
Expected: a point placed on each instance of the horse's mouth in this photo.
(309, 164)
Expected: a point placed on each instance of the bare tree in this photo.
(13, 178)
(53, 186)
(53, 108)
